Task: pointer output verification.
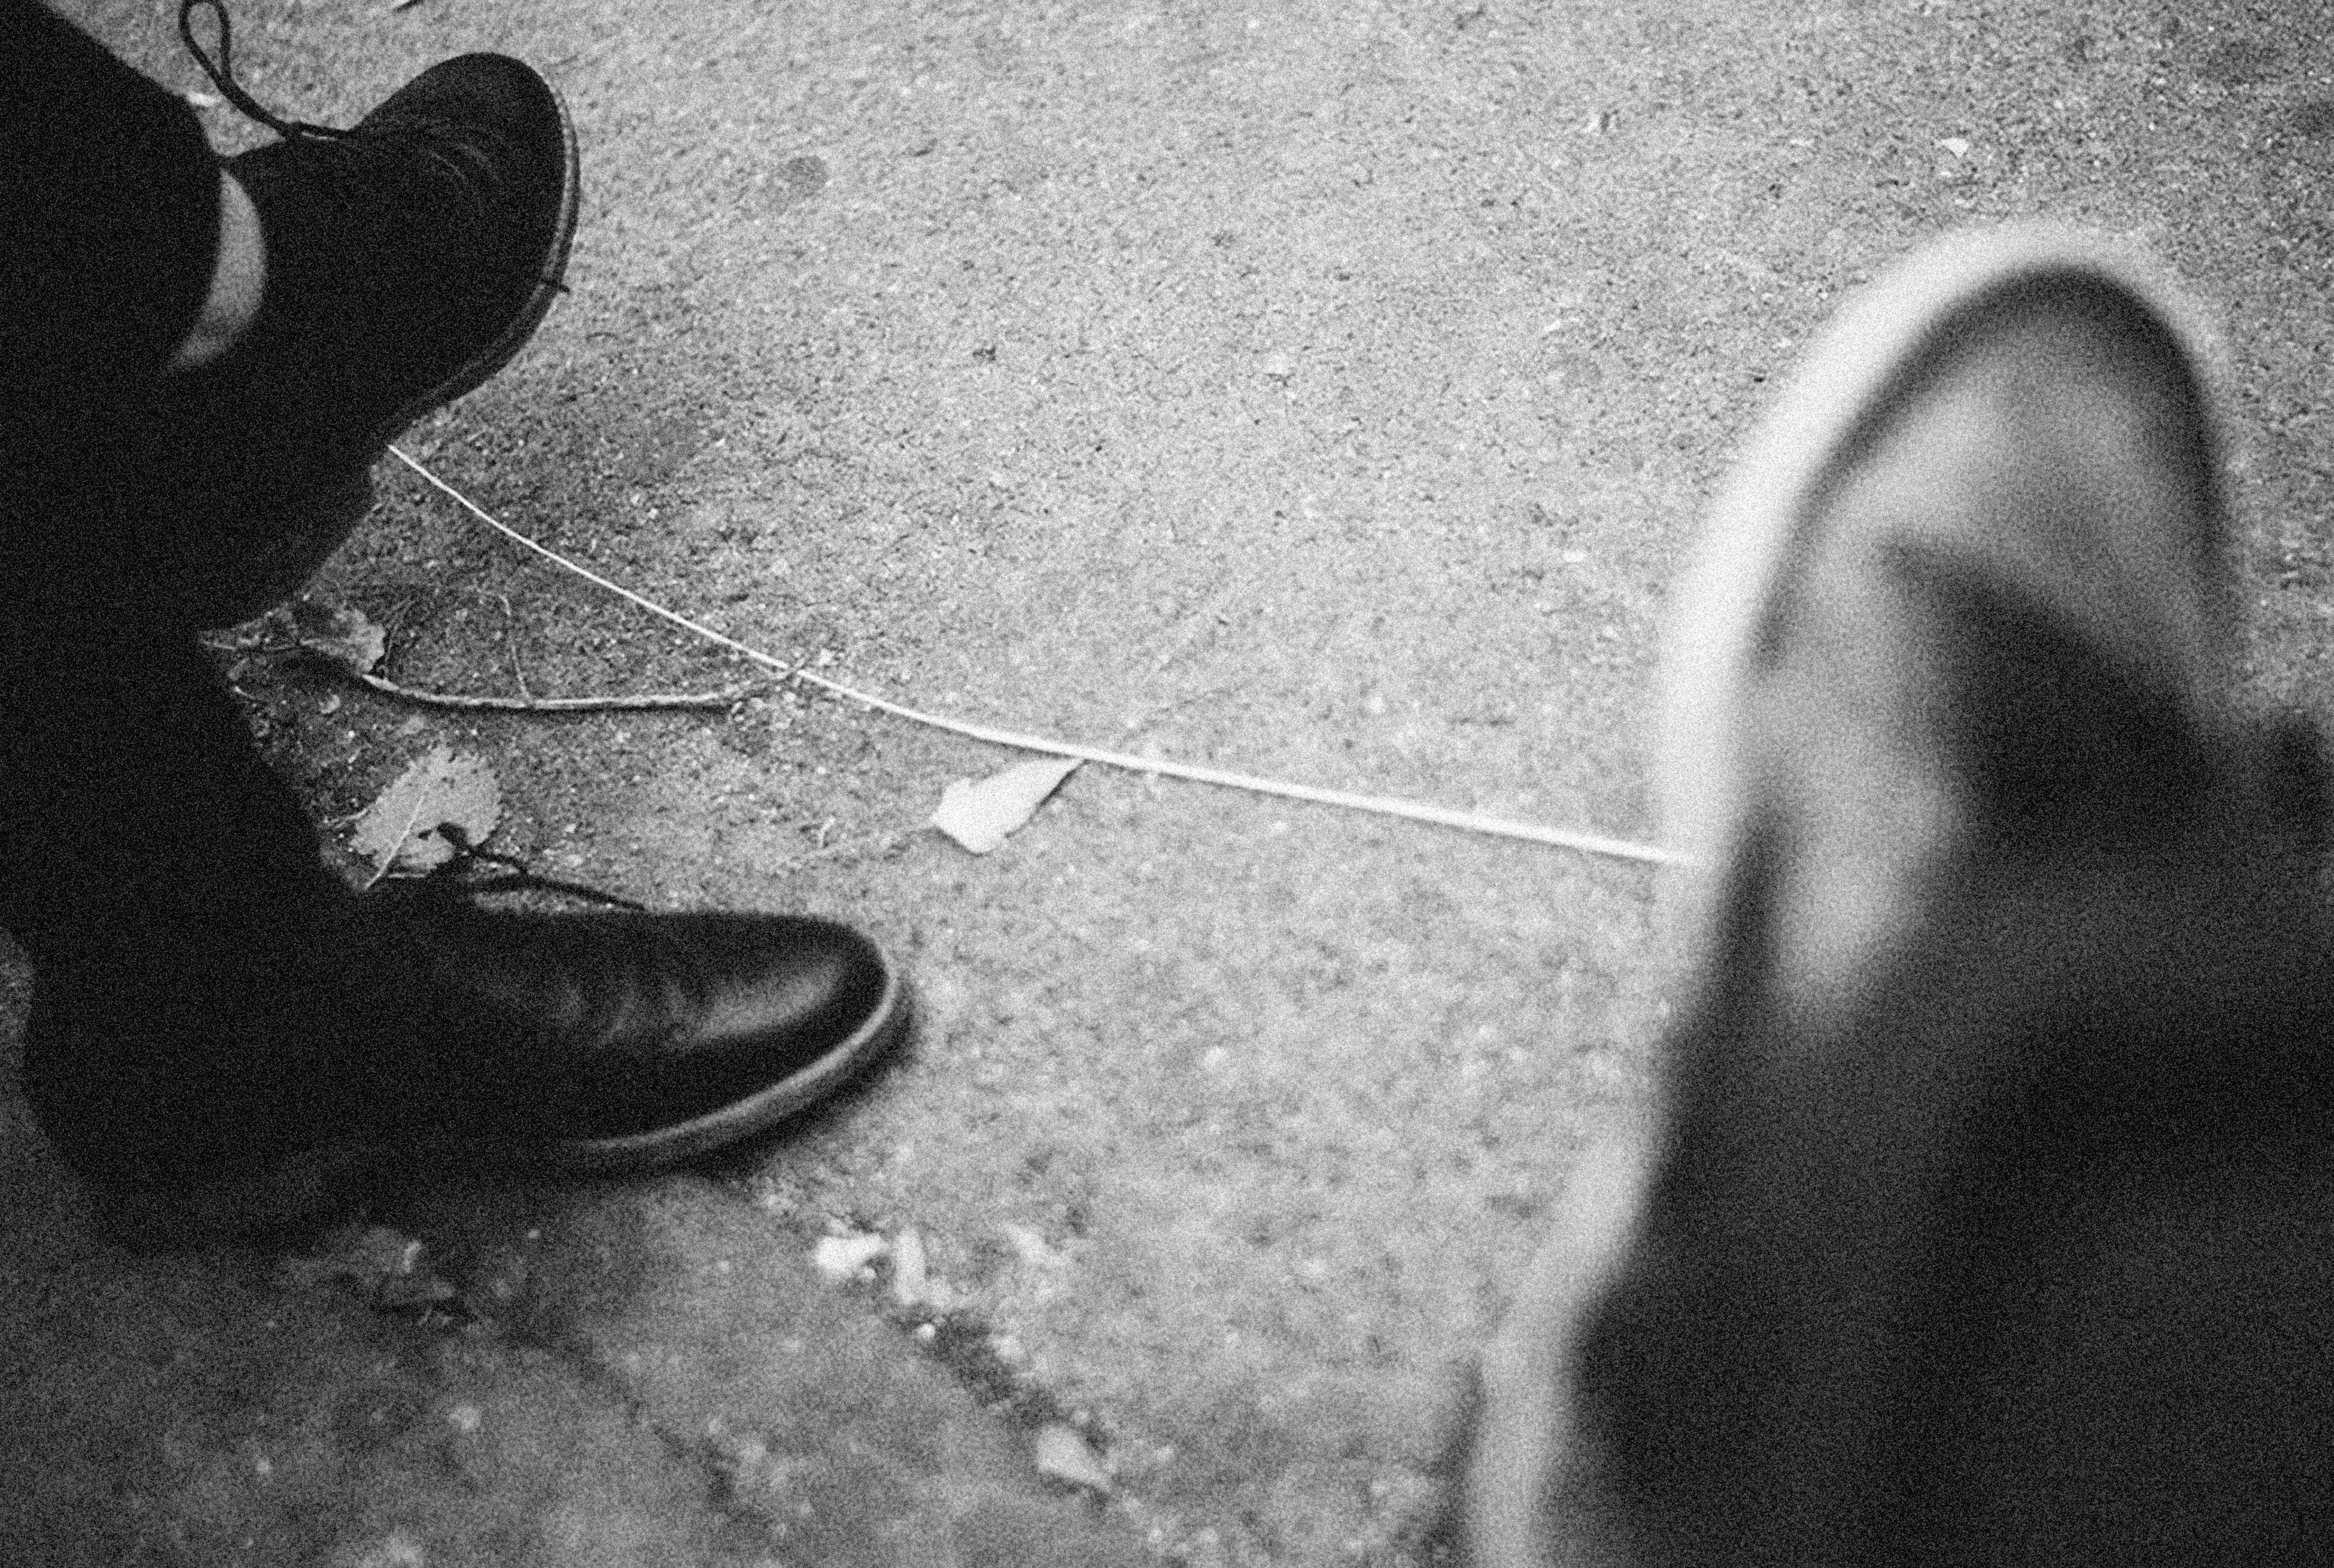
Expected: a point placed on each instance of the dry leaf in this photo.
(980, 816)
(336, 632)
(1063, 1455)
(399, 831)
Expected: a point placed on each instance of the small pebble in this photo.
(842, 1258)
(1064, 1456)
(909, 1284)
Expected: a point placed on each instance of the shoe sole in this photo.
(1518, 1452)
(683, 1142)
(1512, 1457)
(1876, 343)
(303, 1188)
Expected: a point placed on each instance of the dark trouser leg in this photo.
(109, 197)
(193, 959)
(165, 883)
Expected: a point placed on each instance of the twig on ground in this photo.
(257, 646)
(865, 843)
(1381, 805)
(653, 699)
(528, 703)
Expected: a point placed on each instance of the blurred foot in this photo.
(407, 260)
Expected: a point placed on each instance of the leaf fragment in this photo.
(334, 632)
(403, 830)
(980, 815)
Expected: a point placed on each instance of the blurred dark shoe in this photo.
(409, 259)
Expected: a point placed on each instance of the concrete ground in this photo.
(1322, 389)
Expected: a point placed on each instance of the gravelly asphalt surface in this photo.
(1324, 391)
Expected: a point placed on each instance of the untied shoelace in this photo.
(222, 74)
(402, 140)
(462, 875)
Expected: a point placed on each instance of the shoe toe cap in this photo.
(742, 1011)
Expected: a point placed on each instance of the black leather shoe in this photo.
(430, 1030)
(408, 258)
(629, 1041)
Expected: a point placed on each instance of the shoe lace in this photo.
(515, 875)
(308, 133)
(222, 74)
